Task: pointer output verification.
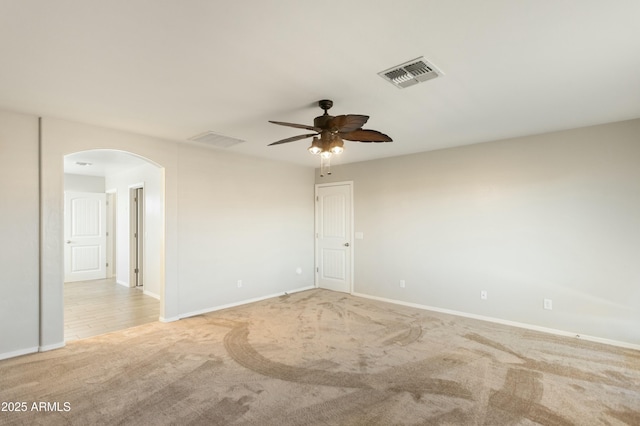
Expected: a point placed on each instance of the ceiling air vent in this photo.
(214, 139)
(411, 73)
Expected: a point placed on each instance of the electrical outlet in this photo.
(548, 304)
(239, 283)
(402, 283)
(483, 295)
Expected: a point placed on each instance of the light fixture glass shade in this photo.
(337, 145)
(315, 148)
(325, 154)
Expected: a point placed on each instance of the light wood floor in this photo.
(101, 306)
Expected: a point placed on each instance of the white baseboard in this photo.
(170, 319)
(150, 294)
(243, 302)
(122, 283)
(51, 347)
(13, 354)
(505, 322)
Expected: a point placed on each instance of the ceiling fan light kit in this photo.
(333, 131)
(315, 147)
(325, 146)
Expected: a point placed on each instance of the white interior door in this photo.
(85, 236)
(333, 236)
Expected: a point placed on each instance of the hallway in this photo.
(102, 306)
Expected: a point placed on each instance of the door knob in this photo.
(68, 241)
(346, 244)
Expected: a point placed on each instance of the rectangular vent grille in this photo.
(214, 139)
(411, 73)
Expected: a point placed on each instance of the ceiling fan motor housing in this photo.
(322, 121)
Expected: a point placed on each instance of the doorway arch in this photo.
(57, 138)
(119, 171)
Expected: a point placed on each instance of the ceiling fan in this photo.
(332, 132)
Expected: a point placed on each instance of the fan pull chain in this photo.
(325, 166)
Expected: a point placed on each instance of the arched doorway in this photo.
(115, 297)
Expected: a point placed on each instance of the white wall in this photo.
(150, 176)
(241, 218)
(549, 216)
(19, 240)
(83, 183)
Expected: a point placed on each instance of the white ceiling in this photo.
(175, 69)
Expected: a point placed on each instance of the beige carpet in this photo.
(325, 358)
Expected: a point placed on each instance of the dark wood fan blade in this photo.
(297, 126)
(347, 123)
(364, 135)
(293, 138)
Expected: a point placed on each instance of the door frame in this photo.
(133, 242)
(316, 232)
(112, 226)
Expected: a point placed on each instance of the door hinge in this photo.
(107, 234)
(107, 265)
(136, 270)
(317, 269)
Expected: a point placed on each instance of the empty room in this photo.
(320, 213)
